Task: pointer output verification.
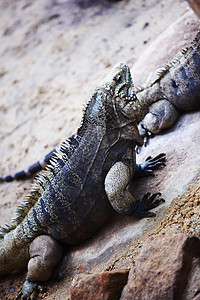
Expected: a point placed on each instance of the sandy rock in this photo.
(162, 268)
(195, 4)
(175, 38)
(106, 285)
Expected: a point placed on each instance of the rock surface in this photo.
(101, 286)
(163, 268)
(53, 53)
(167, 267)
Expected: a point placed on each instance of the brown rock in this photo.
(195, 4)
(162, 268)
(106, 285)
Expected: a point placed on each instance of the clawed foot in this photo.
(145, 134)
(28, 288)
(147, 203)
(147, 168)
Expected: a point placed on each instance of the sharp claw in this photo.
(153, 166)
(161, 155)
(147, 136)
(145, 141)
(149, 214)
(137, 149)
(145, 214)
(145, 197)
(150, 173)
(154, 196)
(151, 198)
(148, 158)
(28, 288)
(157, 202)
(157, 158)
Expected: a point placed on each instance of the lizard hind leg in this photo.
(45, 253)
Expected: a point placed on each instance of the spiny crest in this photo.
(154, 77)
(84, 109)
(164, 69)
(42, 182)
(92, 108)
(6, 229)
(196, 42)
(160, 72)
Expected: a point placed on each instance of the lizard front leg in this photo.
(116, 183)
(162, 115)
(116, 187)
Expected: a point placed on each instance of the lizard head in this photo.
(114, 105)
(120, 101)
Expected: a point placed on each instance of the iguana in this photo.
(86, 180)
(175, 88)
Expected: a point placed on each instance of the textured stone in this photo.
(162, 268)
(100, 286)
(166, 46)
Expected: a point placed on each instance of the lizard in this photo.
(87, 180)
(174, 88)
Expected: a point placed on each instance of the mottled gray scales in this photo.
(175, 88)
(86, 181)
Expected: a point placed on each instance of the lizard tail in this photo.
(32, 170)
(14, 253)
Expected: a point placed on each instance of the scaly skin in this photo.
(176, 88)
(86, 180)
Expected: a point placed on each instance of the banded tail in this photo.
(31, 171)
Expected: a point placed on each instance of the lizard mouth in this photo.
(130, 105)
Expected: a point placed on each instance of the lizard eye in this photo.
(119, 79)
